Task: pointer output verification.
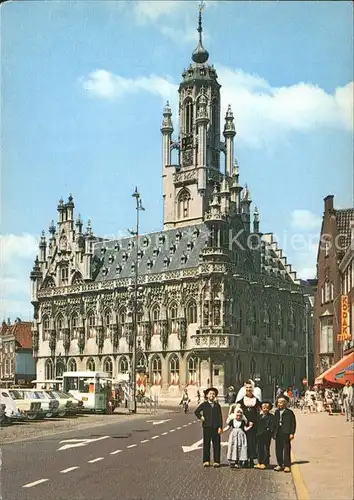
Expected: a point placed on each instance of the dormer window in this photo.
(132, 267)
(155, 252)
(103, 250)
(183, 258)
(140, 254)
(130, 244)
(125, 256)
(116, 247)
(172, 249)
(64, 275)
(190, 245)
(166, 261)
(111, 259)
(145, 242)
(104, 271)
(196, 233)
(150, 264)
(118, 269)
(200, 257)
(161, 239)
(178, 236)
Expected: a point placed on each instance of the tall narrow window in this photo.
(184, 199)
(188, 125)
(192, 312)
(192, 370)
(174, 370)
(156, 370)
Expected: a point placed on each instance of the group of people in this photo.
(252, 426)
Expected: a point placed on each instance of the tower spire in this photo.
(200, 55)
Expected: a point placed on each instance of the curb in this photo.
(298, 480)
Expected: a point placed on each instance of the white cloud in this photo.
(263, 114)
(152, 11)
(17, 254)
(305, 219)
(305, 262)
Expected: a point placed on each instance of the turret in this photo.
(87, 258)
(229, 134)
(256, 221)
(61, 211)
(42, 248)
(245, 208)
(51, 239)
(202, 124)
(70, 209)
(235, 188)
(36, 278)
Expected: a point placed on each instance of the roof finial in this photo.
(200, 55)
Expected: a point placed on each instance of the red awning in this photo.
(339, 373)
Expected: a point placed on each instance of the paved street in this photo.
(139, 458)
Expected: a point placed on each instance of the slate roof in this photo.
(344, 218)
(171, 250)
(21, 331)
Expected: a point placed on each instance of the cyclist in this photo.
(185, 401)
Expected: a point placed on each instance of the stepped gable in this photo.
(168, 250)
(344, 219)
(274, 261)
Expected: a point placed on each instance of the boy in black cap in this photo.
(265, 430)
(210, 414)
(285, 427)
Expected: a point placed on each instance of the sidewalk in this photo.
(323, 450)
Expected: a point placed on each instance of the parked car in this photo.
(68, 405)
(28, 408)
(49, 406)
(8, 409)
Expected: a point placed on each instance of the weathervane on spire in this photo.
(200, 55)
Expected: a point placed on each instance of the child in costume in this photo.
(237, 446)
(210, 414)
(265, 431)
(285, 427)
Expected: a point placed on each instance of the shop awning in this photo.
(339, 373)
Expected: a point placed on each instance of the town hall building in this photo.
(217, 301)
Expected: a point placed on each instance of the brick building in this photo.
(335, 273)
(17, 364)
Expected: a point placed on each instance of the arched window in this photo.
(239, 376)
(172, 315)
(188, 116)
(74, 326)
(267, 322)
(60, 326)
(269, 372)
(141, 362)
(192, 370)
(107, 323)
(253, 368)
(64, 275)
(59, 368)
(239, 322)
(46, 328)
(174, 369)
(123, 365)
(49, 370)
(184, 199)
(91, 365)
(72, 366)
(155, 319)
(254, 321)
(108, 366)
(156, 368)
(91, 323)
(192, 312)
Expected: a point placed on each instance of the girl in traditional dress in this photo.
(250, 406)
(237, 447)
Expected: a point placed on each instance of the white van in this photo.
(8, 410)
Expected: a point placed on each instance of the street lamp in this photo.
(139, 207)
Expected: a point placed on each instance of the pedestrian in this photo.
(231, 395)
(210, 414)
(250, 406)
(285, 427)
(347, 396)
(198, 397)
(237, 445)
(265, 431)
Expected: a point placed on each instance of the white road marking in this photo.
(178, 428)
(115, 452)
(185, 425)
(95, 460)
(164, 433)
(158, 422)
(144, 441)
(155, 437)
(78, 443)
(132, 446)
(29, 485)
(69, 469)
(172, 430)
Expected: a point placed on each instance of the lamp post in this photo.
(306, 297)
(139, 207)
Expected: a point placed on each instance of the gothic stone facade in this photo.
(217, 301)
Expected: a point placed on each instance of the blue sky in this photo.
(83, 87)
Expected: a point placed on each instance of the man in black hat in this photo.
(265, 430)
(210, 414)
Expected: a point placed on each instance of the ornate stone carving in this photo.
(164, 333)
(66, 340)
(182, 332)
(116, 333)
(35, 341)
(81, 340)
(187, 158)
(52, 341)
(100, 338)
